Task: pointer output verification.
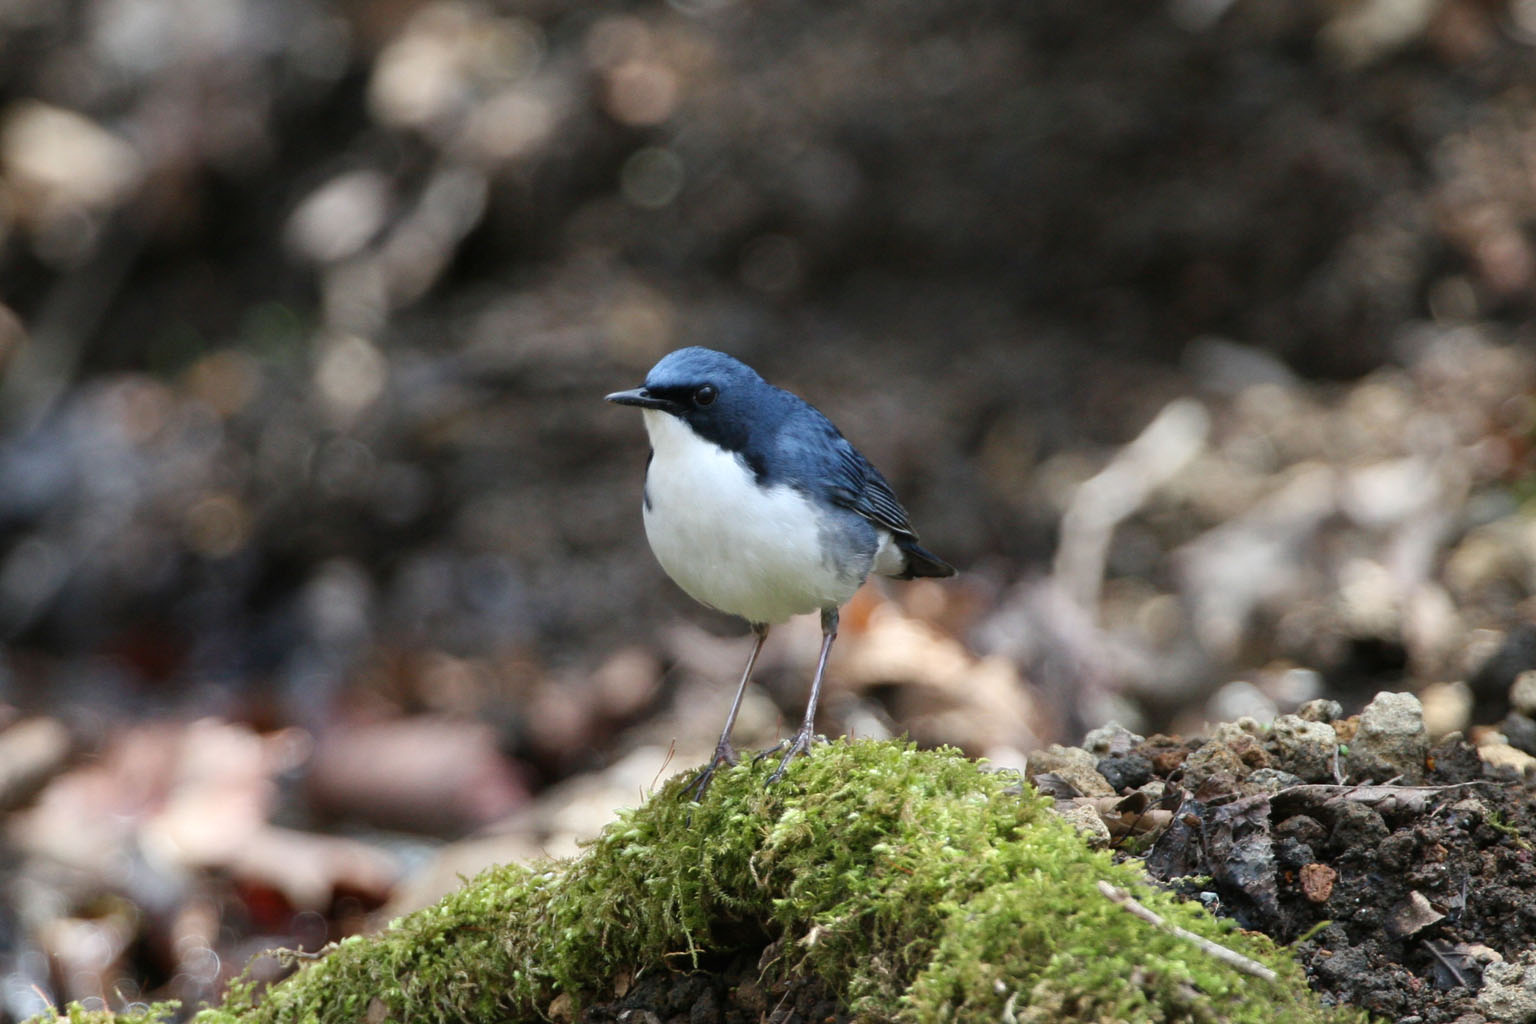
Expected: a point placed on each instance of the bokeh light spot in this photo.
(352, 373)
(652, 177)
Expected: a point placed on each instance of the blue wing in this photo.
(817, 450)
(846, 477)
(864, 490)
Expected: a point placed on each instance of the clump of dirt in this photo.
(1405, 874)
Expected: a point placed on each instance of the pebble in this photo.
(1502, 755)
(1074, 764)
(1391, 739)
(1520, 731)
(1246, 726)
(1087, 822)
(1110, 739)
(1321, 710)
(1125, 771)
(1522, 693)
(1271, 780)
(1305, 747)
(1212, 759)
(1509, 989)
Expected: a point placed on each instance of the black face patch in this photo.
(679, 395)
(724, 420)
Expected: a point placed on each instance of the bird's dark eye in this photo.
(705, 395)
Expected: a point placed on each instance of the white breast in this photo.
(728, 542)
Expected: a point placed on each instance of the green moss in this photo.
(920, 886)
(142, 1013)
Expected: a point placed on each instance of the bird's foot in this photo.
(800, 743)
(725, 754)
(763, 755)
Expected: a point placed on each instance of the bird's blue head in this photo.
(721, 398)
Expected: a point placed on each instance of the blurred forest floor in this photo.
(1198, 334)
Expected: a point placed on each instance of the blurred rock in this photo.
(32, 751)
(1447, 708)
(1229, 368)
(1502, 755)
(1522, 693)
(1491, 681)
(1356, 34)
(1240, 699)
(554, 825)
(627, 682)
(942, 693)
(422, 774)
(1519, 731)
(1235, 567)
(63, 164)
(89, 951)
(309, 869)
(340, 217)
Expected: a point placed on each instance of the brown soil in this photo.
(1403, 894)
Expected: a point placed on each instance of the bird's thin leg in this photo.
(724, 752)
(807, 734)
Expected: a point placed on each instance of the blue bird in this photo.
(755, 504)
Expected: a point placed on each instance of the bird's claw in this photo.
(800, 744)
(763, 755)
(725, 754)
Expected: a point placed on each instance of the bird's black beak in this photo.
(638, 396)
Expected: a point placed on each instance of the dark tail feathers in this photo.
(920, 561)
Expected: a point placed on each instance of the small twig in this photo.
(303, 954)
(1230, 957)
(1446, 963)
(47, 999)
(1375, 789)
(671, 750)
(1414, 798)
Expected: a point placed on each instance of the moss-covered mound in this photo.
(920, 886)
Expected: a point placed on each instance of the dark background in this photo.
(307, 309)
